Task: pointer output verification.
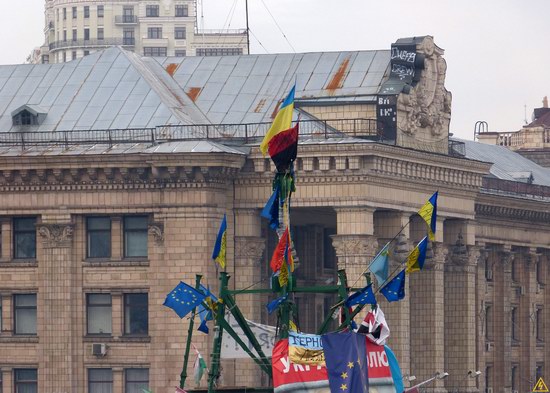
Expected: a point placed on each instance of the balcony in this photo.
(126, 20)
(92, 43)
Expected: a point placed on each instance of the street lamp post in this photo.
(437, 375)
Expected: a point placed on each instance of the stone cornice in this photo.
(511, 213)
(113, 178)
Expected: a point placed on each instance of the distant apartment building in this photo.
(76, 28)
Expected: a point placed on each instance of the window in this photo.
(514, 377)
(539, 272)
(488, 378)
(219, 51)
(86, 52)
(100, 380)
(98, 313)
(100, 34)
(64, 57)
(128, 15)
(74, 12)
(24, 234)
(489, 322)
(24, 314)
(515, 327)
(514, 269)
(488, 270)
(180, 53)
(154, 51)
(154, 32)
(24, 118)
(99, 237)
(135, 236)
(74, 35)
(151, 10)
(26, 380)
(182, 10)
(179, 33)
(539, 371)
(100, 11)
(64, 13)
(86, 11)
(128, 37)
(539, 324)
(136, 380)
(64, 35)
(136, 314)
(86, 34)
(73, 55)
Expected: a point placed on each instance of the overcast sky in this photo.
(497, 51)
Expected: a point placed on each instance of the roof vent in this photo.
(28, 115)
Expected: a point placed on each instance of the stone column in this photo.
(527, 314)
(502, 277)
(545, 282)
(6, 239)
(57, 306)
(249, 248)
(481, 297)
(426, 315)
(460, 314)
(118, 380)
(7, 376)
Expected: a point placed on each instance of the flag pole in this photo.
(183, 375)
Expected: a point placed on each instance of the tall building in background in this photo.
(74, 29)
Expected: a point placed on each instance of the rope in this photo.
(279, 27)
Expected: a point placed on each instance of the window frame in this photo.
(155, 51)
(75, 35)
(128, 323)
(64, 13)
(127, 381)
(154, 33)
(86, 12)
(86, 34)
(100, 14)
(180, 29)
(17, 308)
(126, 231)
(180, 53)
(88, 238)
(152, 11)
(20, 383)
(90, 306)
(184, 11)
(18, 232)
(100, 383)
(100, 33)
(74, 12)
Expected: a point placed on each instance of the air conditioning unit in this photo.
(539, 288)
(99, 350)
(489, 390)
(488, 346)
(520, 291)
(489, 275)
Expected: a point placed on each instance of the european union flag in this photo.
(219, 248)
(271, 209)
(415, 260)
(183, 298)
(362, 296)
(346, 362)
(395, 289)
(272, 305)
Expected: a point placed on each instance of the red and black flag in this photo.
(283, 148)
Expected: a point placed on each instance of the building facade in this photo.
(116, 171)
(150, 28)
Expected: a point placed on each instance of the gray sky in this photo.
(496, 50)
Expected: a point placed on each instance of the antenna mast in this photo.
(247, 30)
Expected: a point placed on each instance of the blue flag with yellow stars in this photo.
(362, 296)
(395, 289)
(183, 298)
(346, 362)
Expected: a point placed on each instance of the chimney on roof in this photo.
(545, 102)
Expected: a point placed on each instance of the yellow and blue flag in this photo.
(395, 289)
(221, 241)
(183, 298)
(206, 314)
(428, 212)
(416, 258)
(380, 265)
(282, 122)
(346, 362)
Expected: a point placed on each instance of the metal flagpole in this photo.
(183, 375)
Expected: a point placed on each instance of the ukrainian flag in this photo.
(219, 248)
(429, 213)
(415, 260)
(282, 122)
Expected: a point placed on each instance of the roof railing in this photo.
(27, 136)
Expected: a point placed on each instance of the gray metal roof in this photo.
(248, 88)
(506, 163)
(107, 90)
